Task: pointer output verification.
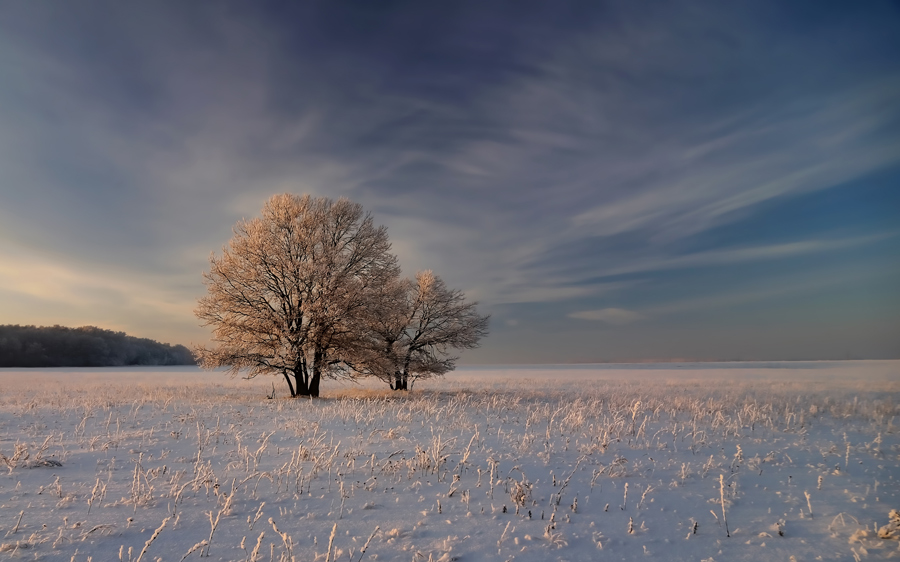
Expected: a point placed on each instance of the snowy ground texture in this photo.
(795, 461)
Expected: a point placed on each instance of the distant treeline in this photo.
(88, 346)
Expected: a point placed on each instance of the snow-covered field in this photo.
(795, 461)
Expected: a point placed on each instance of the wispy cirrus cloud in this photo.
(615, 316)
(742, 254)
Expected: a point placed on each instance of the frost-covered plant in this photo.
(519, 491)
(892, 529)
(556, 538)
(722, 501)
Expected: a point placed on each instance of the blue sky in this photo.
(610, 180)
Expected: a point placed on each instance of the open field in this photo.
(753, 461)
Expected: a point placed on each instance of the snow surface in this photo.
(529, 463)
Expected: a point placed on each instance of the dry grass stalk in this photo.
(152, 538)
(18, 522)
(366, 546)
(722, 500)
(194, 549)
(285, 538)
(331, 543)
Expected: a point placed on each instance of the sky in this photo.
(611, 181)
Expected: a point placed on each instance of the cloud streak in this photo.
(614, 316)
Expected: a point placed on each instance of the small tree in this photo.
(294, 291)
(413, 339)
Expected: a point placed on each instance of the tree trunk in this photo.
(316, 376)
(314, 383)
(400, 381)
(287, 377)
(307, 385)
(404, 374)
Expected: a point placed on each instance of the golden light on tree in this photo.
(310, 290)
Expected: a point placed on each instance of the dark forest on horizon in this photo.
(87, 346)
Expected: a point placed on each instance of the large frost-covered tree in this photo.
(414, 338)
(295, 291)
